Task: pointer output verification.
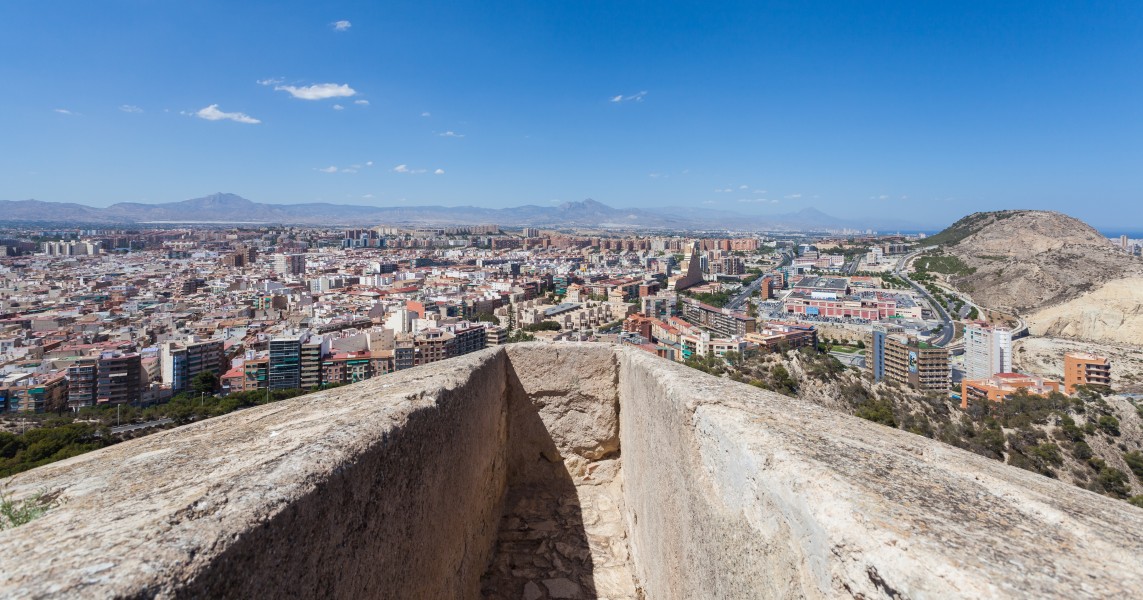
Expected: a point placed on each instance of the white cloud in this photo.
(341, 25)
(759, 191)
(130, 108)
(452, 134)
(743, 187)
(329, 169)
(369, 163)
(774, 201)
(426, 114)
(318, 91)
(438, 172)
(270, 81)
(64, 111)
(406, 170)
(657, 175)
(211, 113)
(367, 196)
(338, 107)
(361, 102)
(708, 202)
(793, 196)
(636, 97)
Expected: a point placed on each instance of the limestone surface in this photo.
(559, 471)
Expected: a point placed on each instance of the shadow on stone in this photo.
(542, 548)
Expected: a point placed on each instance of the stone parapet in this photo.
(419, 485)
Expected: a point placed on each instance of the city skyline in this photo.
(919, 114)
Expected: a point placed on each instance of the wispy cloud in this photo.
(361, 102)
(452, 134)
(64, 111)
(329, 169)
(723, 190)
(270, 81)
(130, 108)
(633, 97)
(793, 196)
(338, 107)
(367, 196)
(318, 91)
(743, 187)
(405, 169)
(426, 114)
(657, 175)
(438, 172)
(212, 113)
(708, 202)
(341, 25)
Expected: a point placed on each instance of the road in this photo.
(746, 292)
(136, 426)
(949, 328)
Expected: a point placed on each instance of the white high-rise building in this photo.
(987, 350)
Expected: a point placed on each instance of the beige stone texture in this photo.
(559, 471)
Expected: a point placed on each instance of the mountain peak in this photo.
(587, 204)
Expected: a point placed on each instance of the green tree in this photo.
(205, 383)
(1114, 482)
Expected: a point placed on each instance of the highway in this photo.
(949, 329)
(746, 292)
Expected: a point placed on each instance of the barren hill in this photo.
(1060, 273)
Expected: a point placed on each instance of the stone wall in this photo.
(737, 492)
(390, 485)
(409, 486)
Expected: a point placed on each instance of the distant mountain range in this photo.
(231, 208)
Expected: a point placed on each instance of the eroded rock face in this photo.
(559, 470)
(564, 405)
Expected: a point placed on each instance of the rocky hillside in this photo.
(1092, 441)
(1065, 277)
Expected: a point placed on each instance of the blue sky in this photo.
(922, 111)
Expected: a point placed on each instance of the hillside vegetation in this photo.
(1094, 440)
(1026, 262)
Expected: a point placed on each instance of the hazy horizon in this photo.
(897, 111)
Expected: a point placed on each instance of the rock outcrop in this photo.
(1027, 261)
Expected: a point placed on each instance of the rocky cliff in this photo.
(1061, 273)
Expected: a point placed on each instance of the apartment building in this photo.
(1082, 368)
(722, 321)
(987, 350)
(285, 368)
(181, 362)
(1001, 386)
(903, 359)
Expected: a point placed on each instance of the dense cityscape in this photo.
(571, 301)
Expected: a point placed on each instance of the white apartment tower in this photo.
(987, 350)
